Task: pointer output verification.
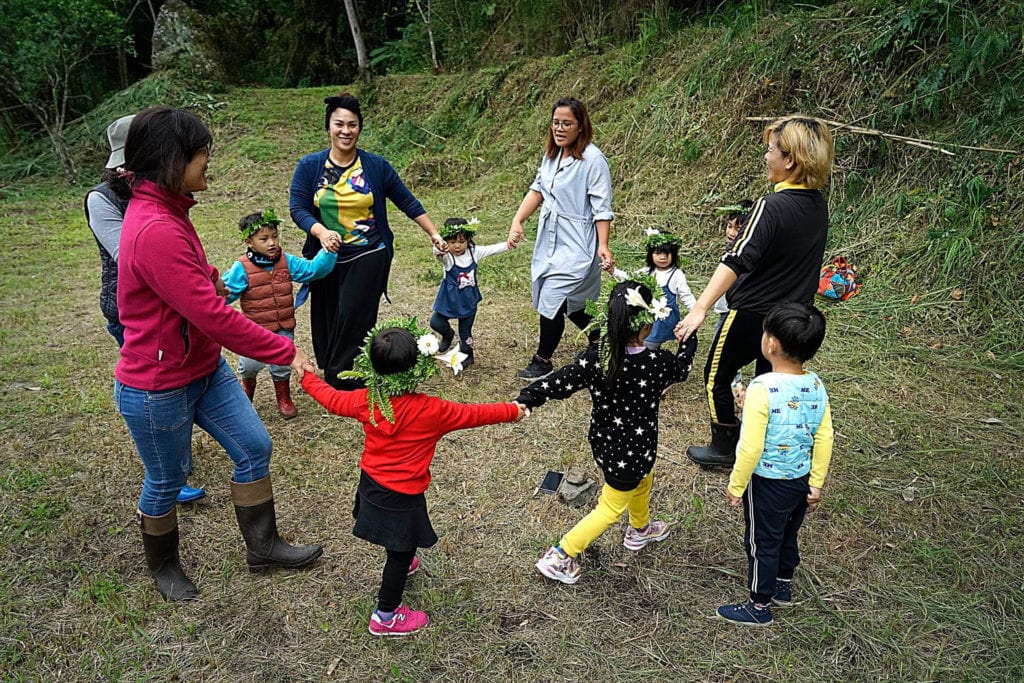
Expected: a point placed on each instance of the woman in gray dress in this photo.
(573, 191)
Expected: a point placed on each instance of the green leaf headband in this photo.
(268, 219)
(730, 209)
(468, 229)
(656, 238)
(380, 388)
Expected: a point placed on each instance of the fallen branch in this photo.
(916, 142)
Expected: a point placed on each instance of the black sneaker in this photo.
(783, 593)
(746, 613)
(537, 369)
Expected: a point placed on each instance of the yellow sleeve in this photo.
(822, 454)
(751, 444)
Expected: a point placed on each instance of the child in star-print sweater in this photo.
(626, 381)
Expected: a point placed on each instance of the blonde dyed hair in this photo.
(808, 142)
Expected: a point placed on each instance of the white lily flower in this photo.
(634, 298)
(455, 363)
(473, 221)
(653, 231)
(660, 308)
(427, 345)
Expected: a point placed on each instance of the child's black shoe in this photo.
(783, 593)
(746, 613)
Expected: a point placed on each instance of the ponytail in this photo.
(620, 327)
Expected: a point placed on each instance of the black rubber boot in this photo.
(254, 507)
(722, 449)
(160, 541)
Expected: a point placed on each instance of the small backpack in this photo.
(838, 280)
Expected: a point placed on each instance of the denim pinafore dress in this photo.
(458, 294)
(664, 330)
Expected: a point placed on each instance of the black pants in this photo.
(737, 343)
(392, 582)
(773, 510)
(551, 330)
(343, 307)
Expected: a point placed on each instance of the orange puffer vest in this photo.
(268, 300)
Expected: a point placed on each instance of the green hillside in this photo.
(912, 565)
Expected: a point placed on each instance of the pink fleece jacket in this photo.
(175, 323)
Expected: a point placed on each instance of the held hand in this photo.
(301, 364)
(439, 243)
(607, 258)
(515, 234)
(329, 239)
(689, 324)
(734, 501)
(222, 289)
(814, 497)
(523, 411)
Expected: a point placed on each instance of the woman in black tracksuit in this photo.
(780, 252)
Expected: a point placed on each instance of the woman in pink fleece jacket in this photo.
(171, 374)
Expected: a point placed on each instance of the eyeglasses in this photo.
(563, 125)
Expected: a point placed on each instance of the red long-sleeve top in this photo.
(397, 456)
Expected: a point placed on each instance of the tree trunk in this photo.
(63, 152)
(362, 58)
(425, 15)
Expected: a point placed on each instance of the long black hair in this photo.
(620, 330)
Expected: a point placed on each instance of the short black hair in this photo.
(393, 350)
(800, 329)
(667, 248)
(342, 101)
(161, 142)
(252, 219)
(745, 205)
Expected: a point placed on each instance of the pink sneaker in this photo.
(404, 622)
(558, 566)
(636, 539)
(414, 565)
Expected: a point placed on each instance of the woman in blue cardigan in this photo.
(338, 198)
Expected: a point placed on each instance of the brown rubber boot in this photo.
(160, 541)
(282, 388)
(254, 507)
(249, 387)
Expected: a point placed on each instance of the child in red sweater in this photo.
(402, 428)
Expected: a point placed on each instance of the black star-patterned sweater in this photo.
(624, 420)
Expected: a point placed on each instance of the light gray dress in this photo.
(565, 267)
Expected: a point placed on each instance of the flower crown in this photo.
(267, 219)
(380, 388)
(656, 238)
(646, 315)
(468, 228)
(730, 209)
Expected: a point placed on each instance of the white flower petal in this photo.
(653, 231)
(634, 298)
(427, 345)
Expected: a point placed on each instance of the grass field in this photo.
(912, 566)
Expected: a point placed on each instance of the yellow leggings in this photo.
(610, 507)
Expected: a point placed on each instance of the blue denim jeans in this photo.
(249, 367)
(160, 423)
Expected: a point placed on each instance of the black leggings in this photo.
(737, 343)
(551, 330)
(342, 309)
(392, 583)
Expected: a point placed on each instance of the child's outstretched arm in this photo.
(454, 416)
(235, 280)
(681, 288)
(683, 361)
(344, 403)
(480, 253)
(307, 270)
(751, 444)
(564, 382)
(821, 456)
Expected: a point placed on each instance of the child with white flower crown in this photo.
(459, 293)
(626, 381)
(663, 265)
(401, 428)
